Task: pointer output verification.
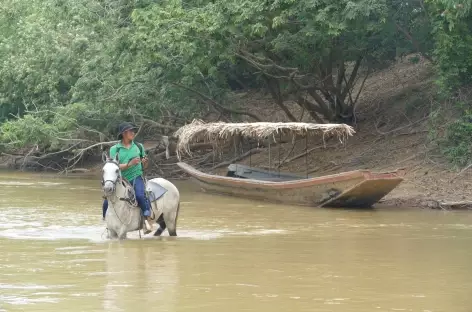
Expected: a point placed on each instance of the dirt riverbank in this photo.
(392, 125)
(392, 132)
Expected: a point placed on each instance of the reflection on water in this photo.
(142, 275)
(232, 255)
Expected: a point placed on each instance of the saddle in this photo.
(153, 192)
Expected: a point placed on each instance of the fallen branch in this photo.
(411, 133)
(81, 152)
(79, 170)
(456, 205)
(204, 159)
(159, 125)
(289, 153)
(300, 155)
(56, 153)
(35, 148)
(410, 158)
(460, 173)
(229, 162)
(313, 170)
(172, 149)
(400, 128)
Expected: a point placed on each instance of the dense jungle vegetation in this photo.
(71, 70)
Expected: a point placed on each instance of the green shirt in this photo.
(127, 154)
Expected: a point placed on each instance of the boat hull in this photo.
(359, 188)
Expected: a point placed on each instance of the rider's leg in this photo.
(139, 189)
(104, 208)
(140, 192)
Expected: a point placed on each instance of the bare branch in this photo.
(215, 104)
(352, 77)
(81, 152)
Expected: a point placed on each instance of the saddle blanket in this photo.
(155, 191)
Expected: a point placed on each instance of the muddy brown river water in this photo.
(231, 255)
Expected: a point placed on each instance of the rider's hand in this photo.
(144, 160)
(134, 162)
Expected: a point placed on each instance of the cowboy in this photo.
(132, 160)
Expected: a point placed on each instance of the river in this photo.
(231, 255)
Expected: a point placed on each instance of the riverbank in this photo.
(393, 131)
(393, 126)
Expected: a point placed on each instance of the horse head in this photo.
(110, 174)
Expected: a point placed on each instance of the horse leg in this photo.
(170, 219)
(112, 234)
(162, 225)
(122, 233)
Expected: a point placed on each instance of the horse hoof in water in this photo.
(158, 232)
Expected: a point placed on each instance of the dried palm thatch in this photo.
(199, 131)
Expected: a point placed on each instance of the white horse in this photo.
(123, 217)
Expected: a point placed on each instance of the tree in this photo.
(452, 29)
(311, 52)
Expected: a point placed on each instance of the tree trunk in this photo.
(311, 109)
(274, 89)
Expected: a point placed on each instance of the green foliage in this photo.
(457, 143)
(27, 131)
(452, 29)
(296, 42)
(71, 70)
(68, 71)
(414, 59)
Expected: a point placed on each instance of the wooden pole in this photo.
(213, 154)
(306, 155)
(280, 143)
(250, 158)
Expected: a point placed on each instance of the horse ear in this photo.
(105, 157)
(117, 158)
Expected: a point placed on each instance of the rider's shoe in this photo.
(147, 228)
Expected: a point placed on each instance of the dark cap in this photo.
(125, 126)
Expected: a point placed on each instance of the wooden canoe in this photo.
(246, 172)
(360, 188)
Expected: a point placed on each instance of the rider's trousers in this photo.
(140, 191)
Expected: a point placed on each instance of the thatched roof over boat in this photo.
(199, 131)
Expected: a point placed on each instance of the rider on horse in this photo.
(132, 160)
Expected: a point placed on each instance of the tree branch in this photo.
(226, 163)
(413, 41)
(352, 77)
(215, 104)
(274, 88)
(312, 109)
(81, 152)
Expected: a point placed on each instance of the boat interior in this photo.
(246, 172)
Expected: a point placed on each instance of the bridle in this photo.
(118, 179)
(111, 181)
